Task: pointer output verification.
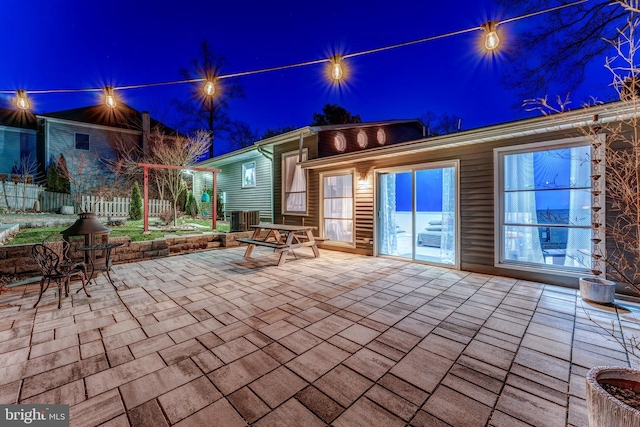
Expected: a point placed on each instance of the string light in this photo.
(337, 73)
(491, 40)
(336, 68)
(21, 100)
(109, 97)
(209, 88)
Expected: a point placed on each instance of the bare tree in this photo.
(176, 151)
(441, 124)
(208, 112)
(28, 170)
(241, 135)
(559, 45)
(88, 176)
(621, 149)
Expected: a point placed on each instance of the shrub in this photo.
(167, 216)
(191, 207)
(136, 210)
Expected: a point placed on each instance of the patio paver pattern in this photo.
(213, 339)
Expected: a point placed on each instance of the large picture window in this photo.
(544, 206)
(294, 183)
(337, 204)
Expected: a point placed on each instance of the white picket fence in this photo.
(18, 196)
(119, 206)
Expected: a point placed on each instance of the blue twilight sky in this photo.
(54, 44)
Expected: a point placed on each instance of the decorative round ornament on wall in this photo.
(362, 139)
(340, 142)
(381, 136)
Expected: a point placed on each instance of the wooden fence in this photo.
(119, 206)
(20, 196)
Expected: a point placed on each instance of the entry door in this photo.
(417, 213)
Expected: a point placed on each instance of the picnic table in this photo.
(281, 238)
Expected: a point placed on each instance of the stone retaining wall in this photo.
(16, 259)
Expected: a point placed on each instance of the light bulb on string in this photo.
(336, 68)
(209, 88)
(109, 97)
(491, 39)
(21, 100)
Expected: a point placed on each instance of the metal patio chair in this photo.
(52, 268)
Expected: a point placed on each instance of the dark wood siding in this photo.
(395, 133)
(476, 202)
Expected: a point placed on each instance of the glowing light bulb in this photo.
(209, 88)
(336, 70)
(491, 40)
(109, 97)
(22, 101)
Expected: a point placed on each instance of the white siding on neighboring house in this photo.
(15, 144)
(61, 138)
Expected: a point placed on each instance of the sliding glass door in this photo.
(417, 213)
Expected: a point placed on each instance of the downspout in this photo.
(265, 154)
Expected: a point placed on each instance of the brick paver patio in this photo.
(212, 339)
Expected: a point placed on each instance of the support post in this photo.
(214, 201)
(146, 199)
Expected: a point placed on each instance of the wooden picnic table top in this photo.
(284, 227)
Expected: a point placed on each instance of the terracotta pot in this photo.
(597, 290)
(603, 409)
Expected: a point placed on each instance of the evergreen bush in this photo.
(136, 209)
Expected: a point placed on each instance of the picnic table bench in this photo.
(297, 236)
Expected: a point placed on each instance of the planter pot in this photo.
(605, 410)
(597, 290)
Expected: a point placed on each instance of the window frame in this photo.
(341, 172)
(285, 156)
(75, 141)
(244, 169)
(499, 220)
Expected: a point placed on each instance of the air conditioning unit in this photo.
(241, 220)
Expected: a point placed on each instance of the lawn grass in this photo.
(133, 229)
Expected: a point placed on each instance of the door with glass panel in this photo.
(417, 213)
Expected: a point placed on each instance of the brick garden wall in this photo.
(16, 259)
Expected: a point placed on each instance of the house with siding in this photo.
(18, 138)
(266, 177)
(88, 135)
(512, 199)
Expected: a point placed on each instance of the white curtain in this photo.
(295, 185)
(338, 207)
(579, 240)
(388, 239)
(447, 239)
(520, 243)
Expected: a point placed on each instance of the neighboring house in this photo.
(244, 182)
(86, 136)
(250, 177)
(18, 137)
